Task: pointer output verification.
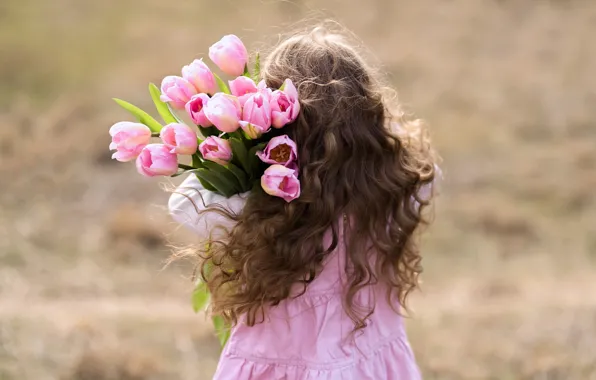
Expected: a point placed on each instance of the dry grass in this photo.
(508, 87)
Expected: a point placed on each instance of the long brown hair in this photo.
(358, 156)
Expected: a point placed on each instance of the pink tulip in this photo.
(252, 131)
(263, 89)
(216, 149)
(200, 76)
(156, 159)
(180, 138)
(257, 112)
(242, 87)
(128, 139)
(224, 112)
(195, 108)
(284, 105)
(280, 150)
(262, 85)
(177, 91)
(282, 182)
(230, 55)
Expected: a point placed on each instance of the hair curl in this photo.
(358, 157)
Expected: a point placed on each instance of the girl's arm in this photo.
(191, 198)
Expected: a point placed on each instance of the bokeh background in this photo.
(507, 86)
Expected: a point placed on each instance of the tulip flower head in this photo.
(200, 76)
(128, 139)
(280, 150)
(281, 182)
(195, 109)
(177, 91)
(157, 160)
(180, 138)
(216, 149)
(224, 112)
(230, 55)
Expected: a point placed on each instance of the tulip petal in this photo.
(279, 119)
(289, 88)
(242, 86)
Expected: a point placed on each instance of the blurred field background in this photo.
(508, 87)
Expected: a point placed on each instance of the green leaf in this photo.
(236, 134)
(220, 185)
(221, 330)
(246, 72)
(224, 174)
(182, 172)
(206, 184)
(240, 176)
(253, 151)
(256, 75)
(208, 265)
(254, 160)
(239, 153)
(223, 87)
(161, 106)
(178, 120)
(209, 131)
(141, 115)
(198, 163)
(200, 297)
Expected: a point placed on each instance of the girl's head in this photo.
(358, 157)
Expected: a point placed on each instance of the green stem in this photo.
(185, 167)
(237, 134)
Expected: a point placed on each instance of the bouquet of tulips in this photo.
(236, 141)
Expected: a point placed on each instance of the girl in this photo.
(314, 288)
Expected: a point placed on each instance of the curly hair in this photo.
(361, 163)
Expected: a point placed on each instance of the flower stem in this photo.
(185, 167)
(155, 134)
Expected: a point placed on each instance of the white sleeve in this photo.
(191, 197)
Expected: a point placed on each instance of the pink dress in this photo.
(308, 337)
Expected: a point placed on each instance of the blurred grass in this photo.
(507, 87)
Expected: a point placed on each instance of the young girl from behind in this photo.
(314, 287)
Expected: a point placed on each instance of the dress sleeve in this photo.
(191, 198)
